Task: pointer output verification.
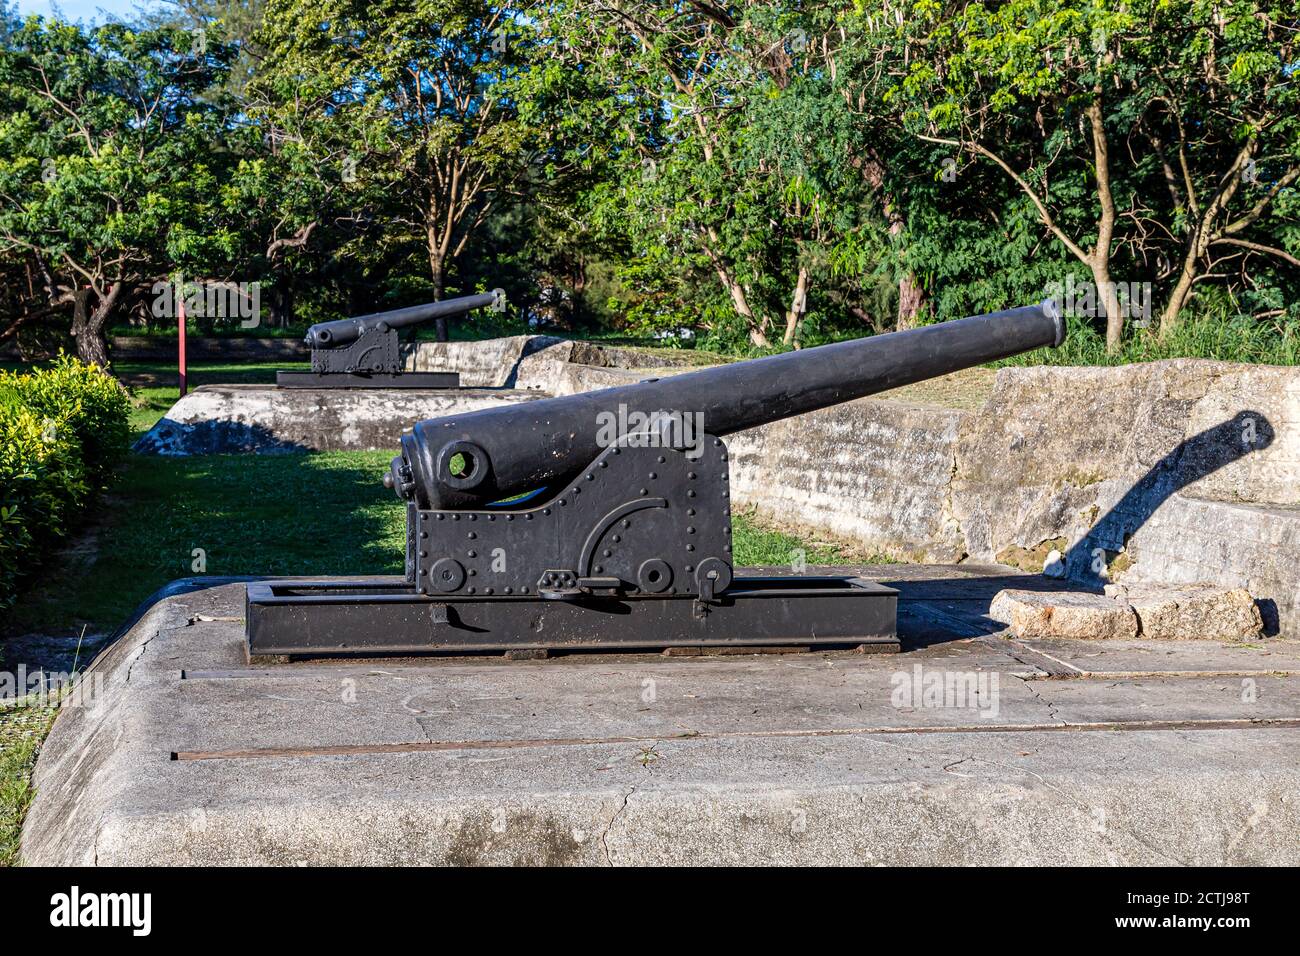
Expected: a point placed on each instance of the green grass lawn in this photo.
(322, 513)
(22, 729)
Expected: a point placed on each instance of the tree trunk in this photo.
(910, 295)
(798, 308)
(1100, 255)
(910, 299)
(440, 327)
(1107, 296)
(281, 311)
(757, 330)
(1207, 230)
(1178, 297)
(739, 300)
(88, 326)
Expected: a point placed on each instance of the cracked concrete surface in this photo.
(1140, 752)
(604, 836)
(1029, 683)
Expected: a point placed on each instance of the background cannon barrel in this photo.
(342, 331)
(484, 456)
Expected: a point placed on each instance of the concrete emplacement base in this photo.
(968, 748)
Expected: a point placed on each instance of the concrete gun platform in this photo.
(225, 419)
(966, 748)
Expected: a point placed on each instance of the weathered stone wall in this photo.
(837, 470)
(528, 361)
(492, 363)
(1172, 472)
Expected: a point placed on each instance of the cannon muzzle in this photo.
(472, 460)
(342, 331)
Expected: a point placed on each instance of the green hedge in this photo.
(63, 430)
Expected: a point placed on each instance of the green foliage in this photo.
(111, 162)
(62, 432)
(742, 176)
(1229, 339)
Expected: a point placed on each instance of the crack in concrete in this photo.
(947, 512)
(94, 847)
(948, 767)
(604, 834)
(1052, 713)
(139, 653)
(185, 621)
(1040, 661)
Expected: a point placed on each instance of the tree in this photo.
(1025, 87)
(690, 192)
(234, 23)
(106, 163)
(422, 92)
(1132, 130)
(1221, 113)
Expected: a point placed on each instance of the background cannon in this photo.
(365, 351)
(603, 519)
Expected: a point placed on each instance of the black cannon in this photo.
(365, 351)
(602, 519)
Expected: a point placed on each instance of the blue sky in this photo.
(88, 11)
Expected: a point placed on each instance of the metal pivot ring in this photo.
(715, 570)
(654, 575)
(446, 575)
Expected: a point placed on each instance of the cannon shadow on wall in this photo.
(942, 609)
(1189, 461)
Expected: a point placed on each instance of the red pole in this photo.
(180, 320)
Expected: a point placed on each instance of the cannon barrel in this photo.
(511, 450)
(342, 331)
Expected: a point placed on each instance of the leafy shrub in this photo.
(62, 432)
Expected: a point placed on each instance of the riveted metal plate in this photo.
(648, 516)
